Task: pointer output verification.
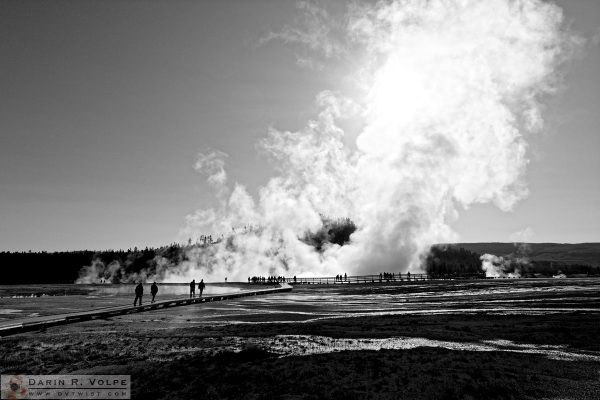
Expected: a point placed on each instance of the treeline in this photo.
(67, 266)
(333, 231)
(42, 267)
(448, 261)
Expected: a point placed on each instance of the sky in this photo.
(104, 107)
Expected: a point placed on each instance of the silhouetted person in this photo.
(193, 288)
(201, 286)
(153, 291)
(139, 291)
(345, 277)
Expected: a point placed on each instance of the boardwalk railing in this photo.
(391, 277)
(359, 279)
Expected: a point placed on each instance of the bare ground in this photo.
(246, 348)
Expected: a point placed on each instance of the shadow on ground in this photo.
(423, 373)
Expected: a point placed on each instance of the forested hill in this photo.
(563, 253)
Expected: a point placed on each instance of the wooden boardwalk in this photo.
(31, 324)
(377, 278)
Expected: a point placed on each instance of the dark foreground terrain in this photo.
(498, 339)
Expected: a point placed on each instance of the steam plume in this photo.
(448, 91)
(499, 267)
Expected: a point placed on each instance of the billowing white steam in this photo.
(498, 267)
(448, 92)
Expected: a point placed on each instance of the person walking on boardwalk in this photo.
(201, 286)
(153, 291)
(139, 291)
(193, 288)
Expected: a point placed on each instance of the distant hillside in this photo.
(563, 253)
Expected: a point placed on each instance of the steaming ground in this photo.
(483, 339)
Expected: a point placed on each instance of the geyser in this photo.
(446, 93)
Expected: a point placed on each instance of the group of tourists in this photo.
(268, 279)
(139, 292)
(201, 287)
(390, 276)
(340, 278)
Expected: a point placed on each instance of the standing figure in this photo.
(193, 288)
(139, 291)
(201, 286)
(153, 291)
